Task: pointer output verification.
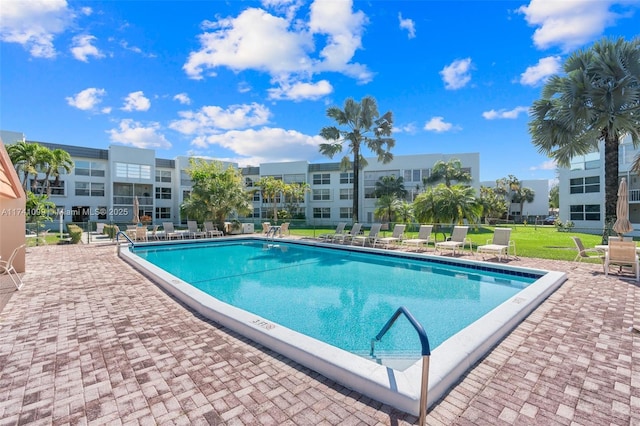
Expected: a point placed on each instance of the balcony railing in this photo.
(634, 195)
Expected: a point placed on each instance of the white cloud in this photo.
(136, 101)
(407, 24)
(284, 46)
(540, 72)
(87, 99)
(34, 24)
(301, 91)
(438, 125)
(547, 165)
(503, 113)
(457, 74)
(183, 98)
(136, 134)
(82, 48)
(406, 128)
(87, 11)
(568, 23)
(254, 146)
(214, 119)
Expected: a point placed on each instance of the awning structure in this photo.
(10, 186)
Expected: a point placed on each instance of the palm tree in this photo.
(24, 157)
(447, 172)
(598, 99)
(271, 188)
(494, 205)
(386, 206)
(363, 126)
(390, 185)
(58, 160)
(443, 204)
(508, 187)
(523, 195)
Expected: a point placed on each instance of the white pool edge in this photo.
(399, 389)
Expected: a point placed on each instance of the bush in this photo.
(109, 230)
(564, 227)
(75, 233)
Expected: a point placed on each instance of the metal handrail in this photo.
(426, 353)
(126, 236)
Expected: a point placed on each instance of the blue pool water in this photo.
(338, 296)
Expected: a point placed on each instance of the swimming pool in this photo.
(313, 303)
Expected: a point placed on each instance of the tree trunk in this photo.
(356, 181)
(611, 148)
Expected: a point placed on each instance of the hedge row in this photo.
(75, 233)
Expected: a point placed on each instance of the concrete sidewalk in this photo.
(89, 340)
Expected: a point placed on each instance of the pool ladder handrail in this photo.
(426, 353)
(131, 243)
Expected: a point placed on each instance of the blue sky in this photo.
(250, 81)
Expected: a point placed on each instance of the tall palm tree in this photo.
(448, 171)
(58, 160)
(508, 187)
(363, 126)
(524, 195)
(598, 99)
(271, 188)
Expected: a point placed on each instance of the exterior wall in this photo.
(12, 211)
(540, 204)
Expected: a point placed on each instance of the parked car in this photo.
(549, 220)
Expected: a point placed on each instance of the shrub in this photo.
(75, 233)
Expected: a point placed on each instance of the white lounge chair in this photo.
(192, 227)
(396, 236)
(423, 239)
(6, 267)
(355, 230)
(500, 245)
(339, 231)
(212, 230)
(370, 238)
(170, 232)
(457, 240)
(622, 254)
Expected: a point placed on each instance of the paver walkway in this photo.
(89, 340)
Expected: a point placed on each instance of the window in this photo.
(346, 177)
(133, 171)
(321, 179)
(256, 196)
(294, 178)
(346, 212)
(415, 175)
(248, 182)
(346, 194)
(102, 212)
(321, 194)
(39, 187)
(585, 212)
(163, 176)
(92, 189)
(322, 213)
(163, 193)
(89, 168)
(163, 212)
(82, 188)
(584, 185)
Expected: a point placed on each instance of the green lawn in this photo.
(544, 242)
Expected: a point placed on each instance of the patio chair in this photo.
(343, 238)
(339, 231)
(170, 232)
(265, 227)
(458, 239)
(622, 254)
(396, 236)
(212, 230)
(499, 245)
(6, 267)
(141, 233)
(423, 239)
(585, 253)
(192, 226)
(370, 238)
(284, 228)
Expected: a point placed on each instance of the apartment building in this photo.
(104, 183)
(581, 188)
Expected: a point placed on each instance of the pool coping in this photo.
(399, 389)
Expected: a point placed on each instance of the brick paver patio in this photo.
(89, 340)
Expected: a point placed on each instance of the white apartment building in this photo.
(582, 188)
(104, 183)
